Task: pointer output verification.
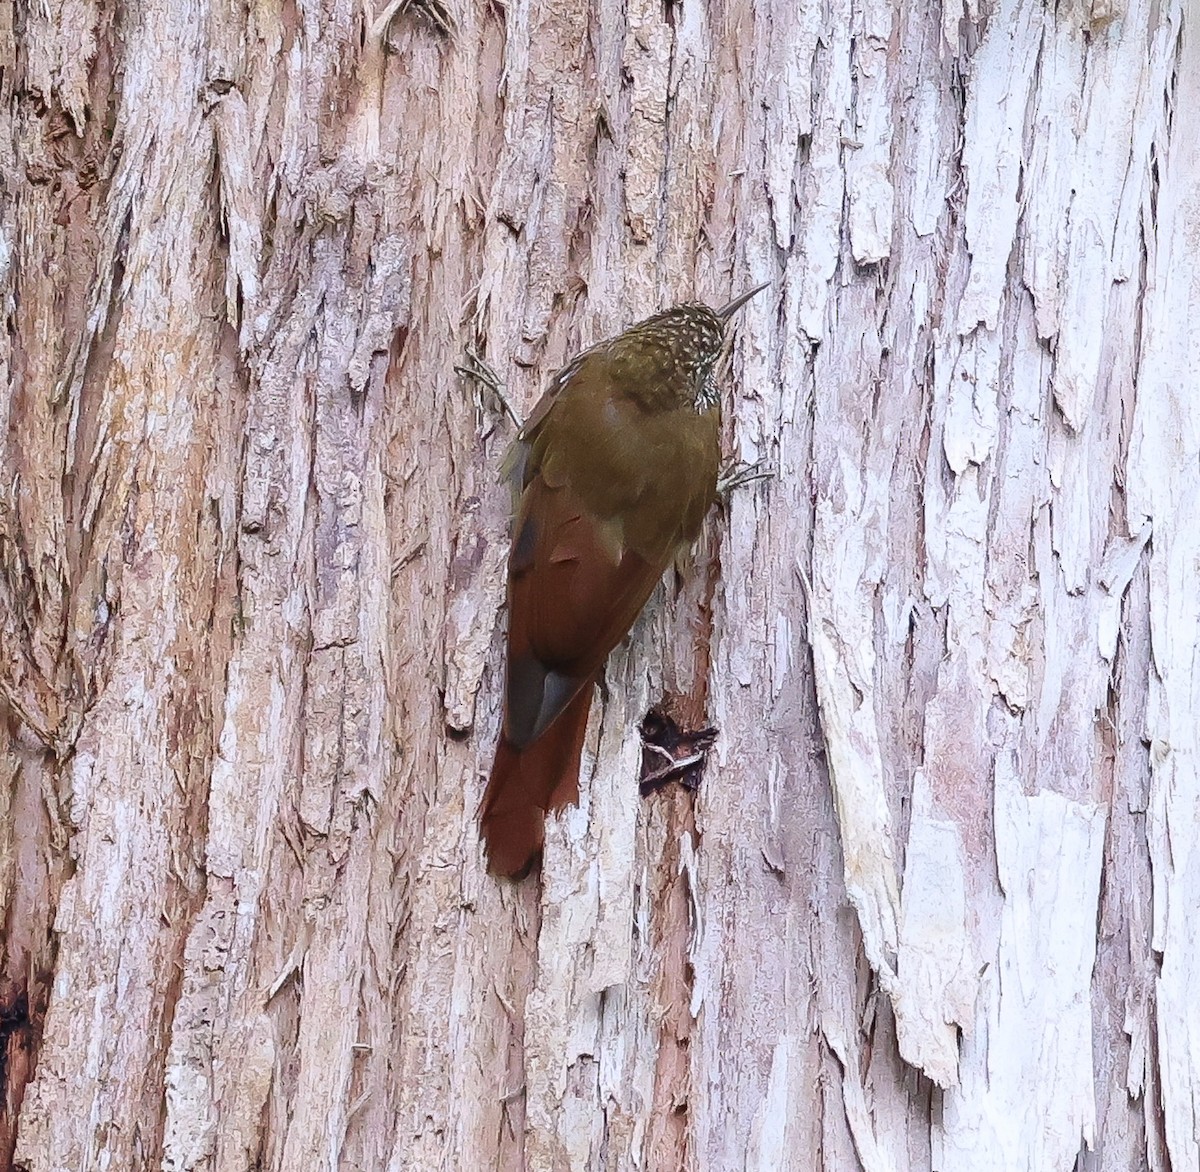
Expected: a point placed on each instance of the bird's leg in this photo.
(739, 473)
(476, 369)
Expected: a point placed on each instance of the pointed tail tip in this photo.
(511, 822)
(512, 841)
(507, 860)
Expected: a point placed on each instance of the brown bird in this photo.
(616, 469)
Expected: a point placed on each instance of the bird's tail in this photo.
(526, 783)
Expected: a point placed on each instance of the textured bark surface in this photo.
(933, 903)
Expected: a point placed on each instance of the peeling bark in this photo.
(931, 905)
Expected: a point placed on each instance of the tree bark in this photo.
(932, 904)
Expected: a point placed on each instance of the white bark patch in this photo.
(786, 85)
(768, 1133)
(586, 946)
(822, 184)
(930, 164)
(1120, 561)
(1046, 212)
(937, 969)
(871, 1148)
(844, 666)
(1025, 1100)
(972, 383)
(470, 628)
(647, 64)
(241, 209)
(1001, 75)
(869, 159)
(1103, 111)
(1164, 487)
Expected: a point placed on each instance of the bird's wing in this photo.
(515, 466)
(574, 591)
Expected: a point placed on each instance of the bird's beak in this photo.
(726, 312)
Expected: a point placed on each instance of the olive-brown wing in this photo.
(574, 591)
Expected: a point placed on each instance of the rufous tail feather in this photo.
(526, 783)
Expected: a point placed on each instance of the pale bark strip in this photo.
(34, 691)
(251, 563)
(978, 524)
(1001, 74)
(219, 1050)
(1128, 1102)
(312, 627)
(870, 192)
(142, 607)
(935, 962)
(1037, 1033)
(450, 949)
(1164, 488)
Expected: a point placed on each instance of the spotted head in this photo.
(681, 345)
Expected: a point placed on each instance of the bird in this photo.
(613, 474)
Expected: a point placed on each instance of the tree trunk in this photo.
(933, 902)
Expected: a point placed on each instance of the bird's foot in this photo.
(474, 368)
(740, 473)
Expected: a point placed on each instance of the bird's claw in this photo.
(740, 473)
(474, 367)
